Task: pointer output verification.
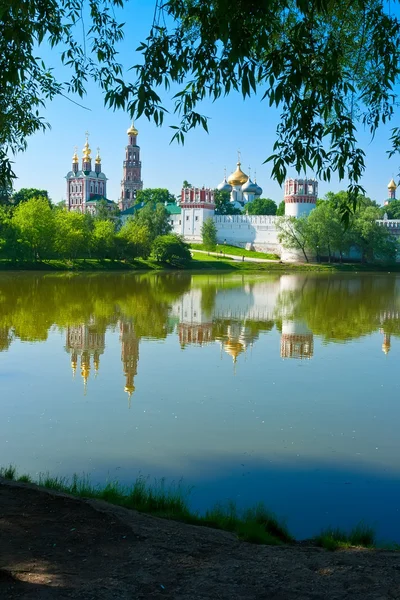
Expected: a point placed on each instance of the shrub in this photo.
(171, 248)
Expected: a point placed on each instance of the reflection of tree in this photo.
(339, 308)
(32, 303)
(336, 307)
(5, 338)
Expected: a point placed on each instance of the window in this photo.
(187, 218)
(180, 222)
(196, 218)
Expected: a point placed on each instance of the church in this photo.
(86, 188)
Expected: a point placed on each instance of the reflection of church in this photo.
(87, 342)
(129, 354)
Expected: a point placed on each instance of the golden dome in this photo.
(75, 158)
(233, 349)
(392, 185)
(86, 151)
(98, 159)
(238, 177)
(132, 130)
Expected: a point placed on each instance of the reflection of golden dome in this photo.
(132, 130)
(238, 177)
(385, 348)
(233, 349)
(392, 185)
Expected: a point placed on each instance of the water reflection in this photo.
(199, 310)
(251, 388)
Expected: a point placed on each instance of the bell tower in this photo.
(132, 170)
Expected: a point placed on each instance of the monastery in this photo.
(86, 188)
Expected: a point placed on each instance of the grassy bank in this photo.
(200, 262)
(236, 251)
(256, 525)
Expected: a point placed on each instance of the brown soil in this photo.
(53, 546)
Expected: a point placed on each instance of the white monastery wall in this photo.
(240, 230)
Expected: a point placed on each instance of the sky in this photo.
(248, 126)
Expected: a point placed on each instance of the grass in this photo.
(256, 525)
(200, 262)
(236, 251)
(335, 538)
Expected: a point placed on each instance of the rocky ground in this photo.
(55, 546)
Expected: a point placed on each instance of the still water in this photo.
(282, 389)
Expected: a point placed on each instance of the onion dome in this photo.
(233, 349)
(224, 186)
(86, 150)
(75, 158)
(132, 130)
(98, 159)
(249, 187)
(392, 185)
(237, 177)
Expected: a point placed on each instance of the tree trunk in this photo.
(305, 255)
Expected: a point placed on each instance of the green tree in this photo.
(186, 184)
(294, 234)
(155, 217)
(72, 234)
(34, 223)
(326, 232)
(28, 29)
(324, 74)
(372, 240)
(209, 234)
(5, 194)
(25, 194)
(103, 239)
(392, 210)
(261, 206)
(136, 238)
(223, 205)
(154, 195)
(172, 249)
(281, 209)
(8, 242)
(105, 211)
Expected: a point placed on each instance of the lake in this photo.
(281, 388)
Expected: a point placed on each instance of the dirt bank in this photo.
(55, 546)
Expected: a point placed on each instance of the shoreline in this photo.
(256, 525)
(200, 263)
(58, 547)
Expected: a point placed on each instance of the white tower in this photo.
(300, 196)
(197, 205)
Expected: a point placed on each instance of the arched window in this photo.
(127, 194)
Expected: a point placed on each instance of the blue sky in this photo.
(234, 124)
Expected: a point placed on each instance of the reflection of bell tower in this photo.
(297, 341)
(386, 342)
(129, 355)
(87, 341)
